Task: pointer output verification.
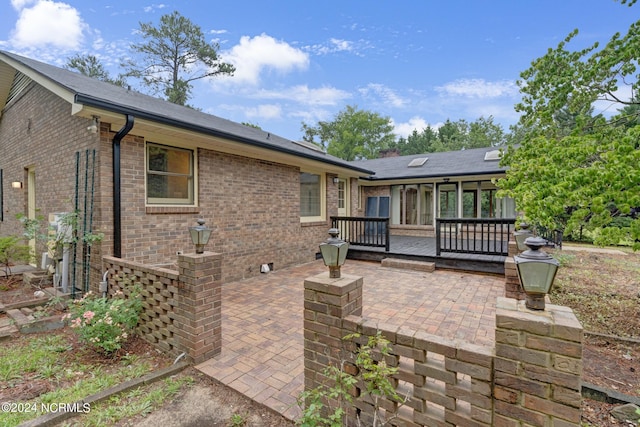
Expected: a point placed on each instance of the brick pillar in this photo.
(198, 308)
(538, 366)
(512, 287)
(326, 303)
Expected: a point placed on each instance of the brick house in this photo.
(415, 190)
(66, 141)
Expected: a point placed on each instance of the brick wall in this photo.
(531, 377)
(38, 132)
(252, 205)
(182, 309)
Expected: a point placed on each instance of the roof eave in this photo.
(114, 107)
(443, 175)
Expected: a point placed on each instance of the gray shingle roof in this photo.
(95, 93)
(445, 164)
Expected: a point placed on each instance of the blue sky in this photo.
(418, 62)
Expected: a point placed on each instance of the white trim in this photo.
(149, 201)
(323, 197)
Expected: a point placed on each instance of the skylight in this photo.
(416, 163)
(309, 145)
(492, 155)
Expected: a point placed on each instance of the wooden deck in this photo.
(424, 249)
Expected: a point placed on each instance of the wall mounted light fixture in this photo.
(336, 180)
(16, 184)
(93, 128)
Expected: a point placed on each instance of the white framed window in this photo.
(312, 196)
(170, 175)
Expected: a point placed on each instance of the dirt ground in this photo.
(602, 288)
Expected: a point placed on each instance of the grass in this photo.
(67, 375)
(602, 289)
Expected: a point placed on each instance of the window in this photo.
(170, 175)
(411, 204)
(448, 201)
(341, 194)
(311, 196)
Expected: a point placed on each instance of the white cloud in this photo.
(338, 45)
(153, 7)
(414, 123)
(47, 23)
(252, 56)
(303, 94)
(388, 96)
(264, 111)
(479, 88)
(218, 32)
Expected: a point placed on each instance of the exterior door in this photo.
(343, 198)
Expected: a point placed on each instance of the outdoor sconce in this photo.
(334, 253)
(536, 270)
(200, 235)
(16, 185)
(522, 235)
(336, 180)
(93, 127)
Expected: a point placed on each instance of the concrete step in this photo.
(406, 264)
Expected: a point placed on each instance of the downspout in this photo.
(117, 202)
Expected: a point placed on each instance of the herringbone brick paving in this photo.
(262, 336)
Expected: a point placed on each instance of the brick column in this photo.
(198, 308)
(512, 287)
(538, 366)
(326, 303)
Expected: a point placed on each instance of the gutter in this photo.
(442, 175)
(110, 106)
(117, 200)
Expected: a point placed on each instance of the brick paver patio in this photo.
(262, 336)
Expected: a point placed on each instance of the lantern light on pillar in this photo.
(536, 270)
(521, 235)
(334, 253)
(200, 235)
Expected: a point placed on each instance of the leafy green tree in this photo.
(453, 136)
(90, 66)
(418, 142)
(353, 134)
(173, 55)
(485, 133)
(587, 177)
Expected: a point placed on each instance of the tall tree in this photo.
(173, 55)
(418, 142)
(353, 134)
(485, 133)
(453, 135)
(588, 177)
(90, 65)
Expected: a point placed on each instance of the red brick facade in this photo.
(252, 205)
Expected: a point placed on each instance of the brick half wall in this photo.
(182, 310)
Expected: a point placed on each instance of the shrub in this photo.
(12, 251)
(105, 323)
(327, 405)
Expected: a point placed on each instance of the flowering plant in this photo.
(105, 323)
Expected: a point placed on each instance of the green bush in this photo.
(11, 252)
(327, 405)
(105, 323)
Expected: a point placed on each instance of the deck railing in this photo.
(554, 237)
(487, 236)
(363, 231)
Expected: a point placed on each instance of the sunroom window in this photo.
(170, 175)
